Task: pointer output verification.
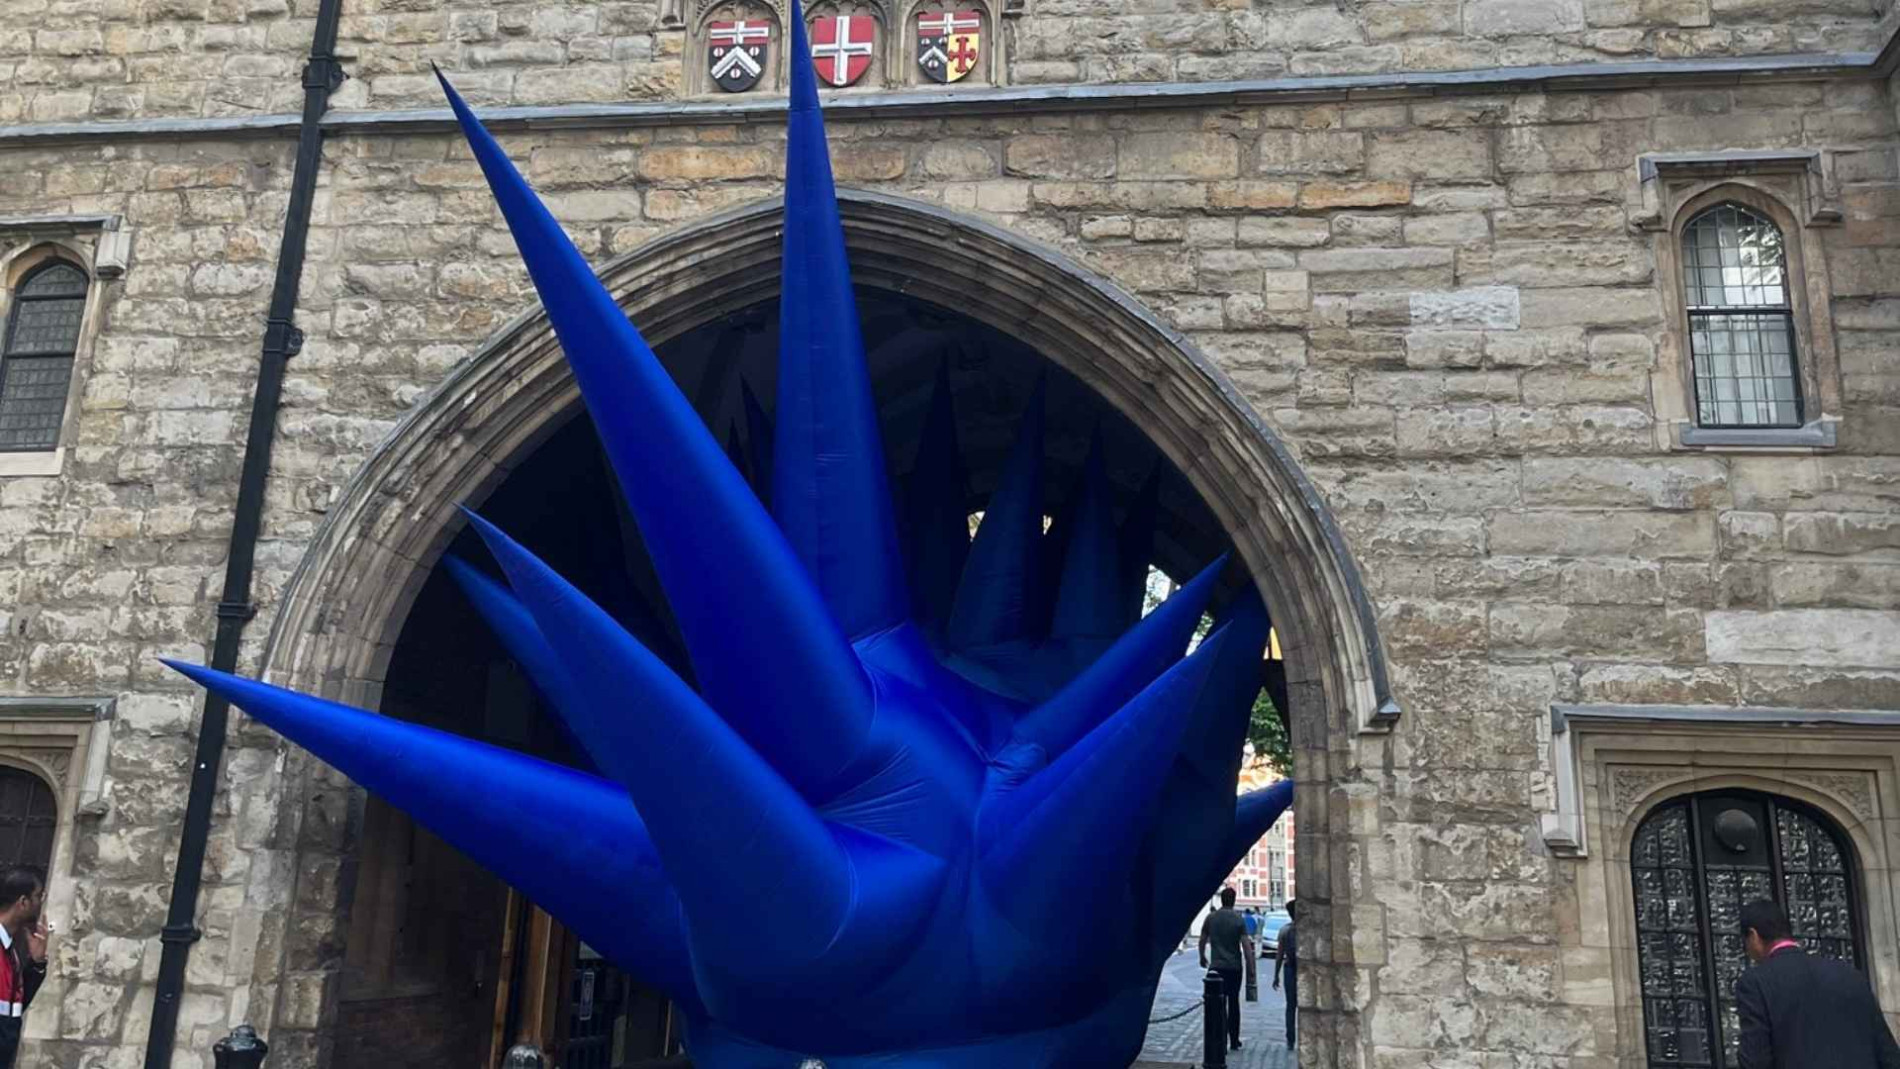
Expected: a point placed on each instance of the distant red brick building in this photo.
(1264, 878)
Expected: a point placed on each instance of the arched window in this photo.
(1741, 320)
(28, 819)
(36, 359)
(1695, 862)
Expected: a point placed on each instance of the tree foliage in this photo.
(1267, 731)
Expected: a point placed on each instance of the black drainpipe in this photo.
(281, 341)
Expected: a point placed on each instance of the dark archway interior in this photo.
(422, 935)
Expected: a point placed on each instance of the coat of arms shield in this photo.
(841, 47)
(948, 43)
(736, 53)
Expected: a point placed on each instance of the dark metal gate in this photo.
(593, 1011)
(1695, 862)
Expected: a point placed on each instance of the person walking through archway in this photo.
(1287, 962)
(1225, 935)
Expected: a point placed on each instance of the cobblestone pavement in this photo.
(1178, 1042)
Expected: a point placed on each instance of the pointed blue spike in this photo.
(694, 780)
(758, 440)
(937, 513)
(994, 602)
(558, 835)
(1213, 743)
(1218, 845)
(1119, 674)
(524, 642)
(1197, 801)
(1254, 814)
(711, 542)
(1110, 781)
(1138, 544)
(1090, 597)
(830, 487)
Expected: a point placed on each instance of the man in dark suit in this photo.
(1800, 1011)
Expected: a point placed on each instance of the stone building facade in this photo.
(1397, 286)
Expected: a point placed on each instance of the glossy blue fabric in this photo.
(988, 797)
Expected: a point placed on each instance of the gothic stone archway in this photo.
(345, 606)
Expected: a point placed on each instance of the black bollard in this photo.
(240, 1050)
(1214, 1006)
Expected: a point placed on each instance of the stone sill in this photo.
(32, 464)
(1816, 436)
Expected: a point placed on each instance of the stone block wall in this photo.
(69, 60)
(117, 562)
(1439, 303)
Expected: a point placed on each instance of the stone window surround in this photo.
(98, 245)
(1614, 763)
(64, 741)
(1799, 193)
(895, 66)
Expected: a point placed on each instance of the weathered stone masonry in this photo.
(1440, 303)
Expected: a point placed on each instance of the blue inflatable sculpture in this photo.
(992, 798)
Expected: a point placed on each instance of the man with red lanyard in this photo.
(1802, 1011)
(23, 932)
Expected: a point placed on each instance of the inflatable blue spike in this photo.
(690, 775)
(1138, 544)
(1109, 782)
(1141, 654)
(524, 642)
(830, 486)
(1254, 814)
(1212, 746)
(758, 440)
(1197, 802)
(1176, 901)
(995, 593)
(501, 808)
(938, 520)
(1090, 597)
(712, 544)
(511, 623)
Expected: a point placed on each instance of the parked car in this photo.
(1270, 924)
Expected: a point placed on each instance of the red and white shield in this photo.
(841, 47)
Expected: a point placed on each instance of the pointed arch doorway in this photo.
(934, 287)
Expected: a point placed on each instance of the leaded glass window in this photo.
(1741, 320)
(1694, 863)
(36, 362)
